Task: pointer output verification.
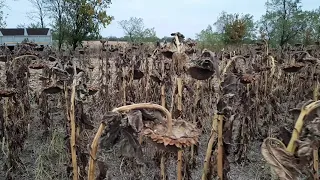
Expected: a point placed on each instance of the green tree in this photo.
(114, 38)
(284, 21)
(76, 20)
(236, 28)
(209, 39)
(135, 30)
(93, 37)
(312, 29)
(85, 17)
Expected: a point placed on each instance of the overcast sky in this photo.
(189, 17)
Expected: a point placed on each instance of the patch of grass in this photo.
(52, 157)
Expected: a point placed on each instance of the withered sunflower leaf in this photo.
(283, 163)
(130, 146)
(111, 133)
(135, 120)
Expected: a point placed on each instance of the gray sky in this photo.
(189, 18)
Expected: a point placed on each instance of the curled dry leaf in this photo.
(152, 115)
(179, 62)
(297, 110)
(111, 133)
(227, 129)
(304, 148)
(155, 76)
(87, 123)
(130, 146)
(222, 106)
(184, 134)
(62, 74)
(240, 64)
(282, 162)
(135, 120)
(102, 170)
(314, 128)
(230, 84)
(284, 135)
(118, 131)
(309, 58)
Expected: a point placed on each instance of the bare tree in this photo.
(132, 26)
(31, 25)
(2, 16)
(55, 10)
(39, 13)
(135, 30)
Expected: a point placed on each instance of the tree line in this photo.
(73, 21)
(284, 22)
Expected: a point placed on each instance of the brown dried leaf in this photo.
(155, 76)
(152, 115)
(304, 148)
(283, 163)
(135, 120)
(102, 170)
(130, 146)
(240, 65)
(230, 84)
(179, 62)
(227, 129)
(111, 133)
(314, 128)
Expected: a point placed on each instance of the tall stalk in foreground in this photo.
(315, 149)
(163, 104)
(195, 116)
(73, 128)
(178, 59)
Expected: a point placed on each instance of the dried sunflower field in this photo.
(164, 112)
